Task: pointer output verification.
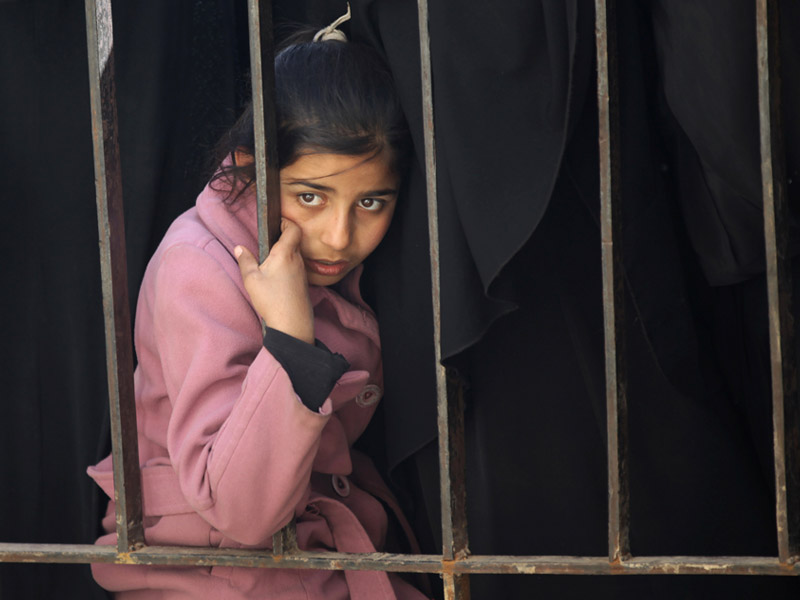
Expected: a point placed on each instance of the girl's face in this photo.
(343, 205)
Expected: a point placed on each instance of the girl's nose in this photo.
(337, 231)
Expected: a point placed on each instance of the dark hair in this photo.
(331, 96)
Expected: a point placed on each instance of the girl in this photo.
(238, 434)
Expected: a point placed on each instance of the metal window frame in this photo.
(455, 563)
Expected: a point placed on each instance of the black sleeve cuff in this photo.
(313, 370)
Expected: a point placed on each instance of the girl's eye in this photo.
(309, 199)
(372, 204)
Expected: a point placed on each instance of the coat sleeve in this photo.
(239, 439)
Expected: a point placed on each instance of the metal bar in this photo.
(458, 463)
(785, 411)
(285, 541)
(456, 585)
(450, 414)
(113, 268)
(403, 563)
(433, 234)
(613, 291)
(262, 73)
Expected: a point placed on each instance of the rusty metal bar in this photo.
(404, 563)
(262, 74)
(285, 541)
(113, 268)
(268, 189)
(785, 409)
(450, 414)
(456, 585)
(613, 290)
(458, 466)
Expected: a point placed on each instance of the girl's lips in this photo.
(329, 269)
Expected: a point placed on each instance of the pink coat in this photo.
(228, 451)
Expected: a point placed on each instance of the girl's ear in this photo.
(242, 157)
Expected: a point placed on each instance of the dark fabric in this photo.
(706, 57)
(313, 370)
(740, 345)
(541, 79)
(522, 314)
(536, 479)
(499, 145)
(53, 397)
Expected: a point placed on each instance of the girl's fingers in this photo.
(284, 248)
(291, 236)
(247, 262)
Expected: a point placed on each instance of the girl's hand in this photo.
(278, 287)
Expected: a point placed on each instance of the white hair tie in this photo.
(330, 32)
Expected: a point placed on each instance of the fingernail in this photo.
(237, 252)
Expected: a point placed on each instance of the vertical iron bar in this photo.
(113, 269)
(613, 290)
(456, 586)
(458, 464)
(450, 414)
(785, 411)
(262, 73)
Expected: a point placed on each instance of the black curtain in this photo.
(516, 130)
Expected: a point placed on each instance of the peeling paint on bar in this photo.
(105, 32)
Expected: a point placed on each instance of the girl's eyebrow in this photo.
(325, 188)
(386, 192)
(313, 186)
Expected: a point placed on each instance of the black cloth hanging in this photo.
(516, 154)
(706, 59)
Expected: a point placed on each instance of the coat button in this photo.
(369, 395)
(340, 485)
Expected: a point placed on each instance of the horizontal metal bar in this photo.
(406, 563)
